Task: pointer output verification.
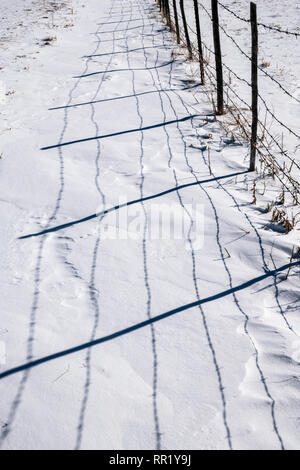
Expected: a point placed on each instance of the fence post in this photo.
(186, 32)
(200, 51)
(218, 56)
(254, 74)
(168, 14)
(176, 21)
(165, 8)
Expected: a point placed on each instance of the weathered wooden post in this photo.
(186, 31)
(176, 21)
(254, 74)
(168, 14)
(218, 56)
(162, 3)
(165, 8)
(200, 51)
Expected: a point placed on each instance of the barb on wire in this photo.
(270, 160)
(260, 122)
(249, 85)
(249, 58)
(272, 28)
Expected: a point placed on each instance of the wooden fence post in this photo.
(168, 14)
(254, 74)
(200, 51)
(176, 21)
(218, 56)
(165, 8)
(186, 31)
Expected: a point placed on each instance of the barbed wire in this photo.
(263, 126)
(250, 86)
(276, 118)
(291, 131)
(260, 122)
(272, 28)
(249, 58)
(270, 159)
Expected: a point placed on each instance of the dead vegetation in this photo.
(49, 40)
(277, 170)
(265, 64)
(281, 217)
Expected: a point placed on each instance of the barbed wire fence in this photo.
(247, 116)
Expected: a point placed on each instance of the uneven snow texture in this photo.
(217, 375)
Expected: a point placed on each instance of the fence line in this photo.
(271, 28)
(249, 58)
(249, 130)
(230, 70)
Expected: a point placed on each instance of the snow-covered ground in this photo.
(126, 340)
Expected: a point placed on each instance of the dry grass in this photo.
(49, 40)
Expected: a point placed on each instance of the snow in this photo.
(217, 375)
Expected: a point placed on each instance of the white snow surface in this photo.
(221, 374)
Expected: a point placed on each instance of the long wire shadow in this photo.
(124, 38)
(118, 39)
(192, 251)
(125, 52)
(125, 70)
(29, 348)
(123, 97)
(122, 30)
(123, 21)
(145, 323)
(116, 14)
(129, 131)
(236, 300)
(147, 282)
(259, 239)
(129, 203)
(93, 291)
